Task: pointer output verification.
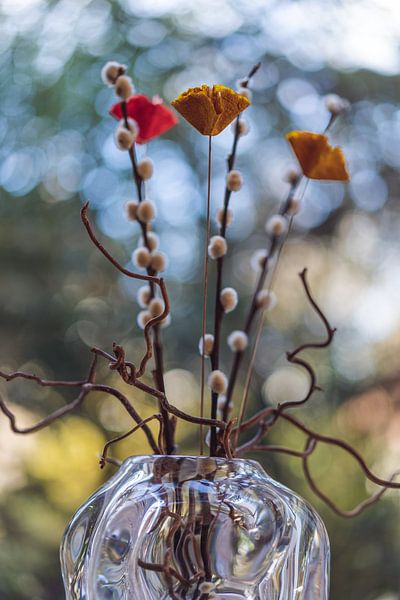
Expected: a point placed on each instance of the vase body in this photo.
(172, 528)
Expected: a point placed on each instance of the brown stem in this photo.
(293, 357)
(110, 258)
(104, 454)
(313, 439)
(325, 439)
(347, 514)
(86, 387)
(309, 449)
(57, 414)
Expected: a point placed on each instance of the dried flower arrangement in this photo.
(210, 111)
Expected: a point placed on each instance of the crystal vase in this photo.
(170, 527)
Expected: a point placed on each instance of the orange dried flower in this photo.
(210, 109)
(317, 158)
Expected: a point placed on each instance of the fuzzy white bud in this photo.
(131, 210)
(166, 322)
(336, 105)
(124, 87)
(206, 587)
(158, 262)
(229, 299)
(234, 181)
(266, 300)
(217, 247)
(141, 257)
(237, 341)
(276, 225)
(293, 206)
(243, 82)
(156, 307)
(111, 71)
(258, 259)
(292, 176)
(243, 127)
(143, 318)
(220, 215)
(143, 296)
(221, 404)
(146, 211)
(244, 91)
(153, 241)
(124, 138)
(208, 344)
(218, 382)
(145, 168)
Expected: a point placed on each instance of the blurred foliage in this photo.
(58, 297)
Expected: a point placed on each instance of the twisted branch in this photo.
(268, 417)
(104, 454)
(132, 274)
(293, 357)
(86, 387)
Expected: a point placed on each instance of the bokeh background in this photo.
(58, 297)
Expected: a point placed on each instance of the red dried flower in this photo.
(152, 116)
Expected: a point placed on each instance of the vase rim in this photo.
(218, 459)
(203, 456)
(221, 463)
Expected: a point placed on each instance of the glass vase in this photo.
(173, 527)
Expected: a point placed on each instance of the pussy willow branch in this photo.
(126, 370)
(156, 333)
(151, 278)
(283, 210)
(218, 308)
(253, 308)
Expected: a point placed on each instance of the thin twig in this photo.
(132, 274)
(293, 357)
(104, 454)
(347, 514)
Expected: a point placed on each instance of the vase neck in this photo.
(181, 468)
